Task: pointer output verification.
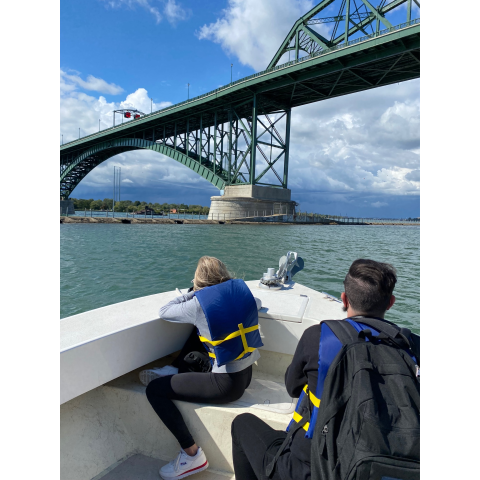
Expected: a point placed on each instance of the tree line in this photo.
(136, 206)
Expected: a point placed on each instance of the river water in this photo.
(109, 263)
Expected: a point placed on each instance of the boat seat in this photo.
(119, 422)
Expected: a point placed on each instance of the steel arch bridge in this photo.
(240, 133)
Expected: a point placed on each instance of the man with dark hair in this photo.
(264, 453)
(368, 288)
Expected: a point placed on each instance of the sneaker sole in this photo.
(147, 376)
(199, 469)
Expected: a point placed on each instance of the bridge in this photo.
(239, 134)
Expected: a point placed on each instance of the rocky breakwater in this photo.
(78, 219)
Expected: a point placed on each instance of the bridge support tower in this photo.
(66, 207)
(247, 201)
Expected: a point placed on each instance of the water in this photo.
(110, 263)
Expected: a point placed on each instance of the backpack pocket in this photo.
(385, 468)
(380, 435)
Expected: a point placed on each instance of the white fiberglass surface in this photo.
(267, 395)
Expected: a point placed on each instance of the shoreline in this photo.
(174, 221)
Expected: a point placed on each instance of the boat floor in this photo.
(142, 467)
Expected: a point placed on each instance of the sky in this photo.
(356, 155)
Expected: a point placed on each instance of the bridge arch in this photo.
(77, 169)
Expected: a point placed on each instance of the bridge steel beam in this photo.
(235, 141)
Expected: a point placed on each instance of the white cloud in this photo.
(175, 12)
(68, 83)
(253, 30)
(144, 169)
(171, 10)
(81, 110)
(141, 101)
(367, 143)
(379, 204)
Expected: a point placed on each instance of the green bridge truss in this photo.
(240, 133)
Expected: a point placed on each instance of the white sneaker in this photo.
(184, 465)
(146, 376)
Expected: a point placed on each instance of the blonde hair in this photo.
(210, 271)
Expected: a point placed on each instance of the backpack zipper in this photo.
(323, 441)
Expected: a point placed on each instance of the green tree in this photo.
(84, 204)
(96, 205)
(107, 203)
(120, 206)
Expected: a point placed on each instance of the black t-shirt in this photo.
(294, 463)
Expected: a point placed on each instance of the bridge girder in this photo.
(351, 17)
(224, 153)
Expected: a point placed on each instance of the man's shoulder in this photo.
(316, 328)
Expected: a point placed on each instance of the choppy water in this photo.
(110, 263)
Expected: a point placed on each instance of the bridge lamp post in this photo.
(231, 73)
(151, 105)
(62, 138)
(188, 86)
(78, 132)
(98, 124)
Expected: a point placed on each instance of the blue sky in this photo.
(357, 155)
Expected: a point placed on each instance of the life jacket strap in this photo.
(313, 398)
(240, 332)
(315, 401)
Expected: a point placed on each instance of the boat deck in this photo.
(141, 467)
(108, 428)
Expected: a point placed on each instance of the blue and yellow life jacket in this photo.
(309, 402)
(232, 317)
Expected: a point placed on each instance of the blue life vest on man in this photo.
(328, 349)
(232, 317)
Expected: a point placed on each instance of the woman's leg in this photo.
(251, 439)
(215, 388)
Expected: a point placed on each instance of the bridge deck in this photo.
(366, 63)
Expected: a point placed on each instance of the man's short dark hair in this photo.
(369, 286)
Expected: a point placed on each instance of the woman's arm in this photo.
(182, 309)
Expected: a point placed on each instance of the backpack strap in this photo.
(415, 346)
(403, 337)
(342, 330)
(382, 326)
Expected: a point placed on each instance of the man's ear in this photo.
(391, 302)
(344, 298)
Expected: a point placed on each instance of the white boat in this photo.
(109, 430)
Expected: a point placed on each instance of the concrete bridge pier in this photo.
(66, 207)
(241, 201)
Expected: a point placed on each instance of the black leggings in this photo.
(193, 387)
(254, 444)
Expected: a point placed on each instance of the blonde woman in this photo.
(226, 338)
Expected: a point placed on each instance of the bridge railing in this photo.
(304, 218)
(277, 67)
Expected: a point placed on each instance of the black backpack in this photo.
(368, 424)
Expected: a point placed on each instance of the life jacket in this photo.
(309, 402)
(232, 317)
